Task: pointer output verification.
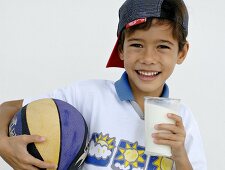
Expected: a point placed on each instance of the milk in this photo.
(156, 113)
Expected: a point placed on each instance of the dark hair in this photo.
(172, 13)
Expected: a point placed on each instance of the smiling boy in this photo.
(151, 41)
(150, 57)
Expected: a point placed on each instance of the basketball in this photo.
(63, 127)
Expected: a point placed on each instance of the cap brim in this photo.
(114, 60)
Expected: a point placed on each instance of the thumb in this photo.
(33, 138)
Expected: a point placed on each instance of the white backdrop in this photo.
(48, 44)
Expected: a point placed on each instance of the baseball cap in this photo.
(134, 12)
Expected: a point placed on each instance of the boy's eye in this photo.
(163, 47)
(136, 45)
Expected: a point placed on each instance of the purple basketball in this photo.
(61, 124)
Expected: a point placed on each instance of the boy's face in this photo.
(150, 57)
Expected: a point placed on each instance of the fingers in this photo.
(32, 138)
(177, 128)
(167, 136)
(19, 165)
(16, 155)
(42, 164)
(171, 128)
(28, 162)
(176, 118)
(31, 163)
(170, 134)
(27, 167)
(32, 160)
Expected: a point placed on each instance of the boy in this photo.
(151, 41)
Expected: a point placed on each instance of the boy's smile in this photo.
(147, 75)
(150, 57)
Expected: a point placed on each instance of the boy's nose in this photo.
(149, 56)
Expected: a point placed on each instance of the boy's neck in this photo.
(140, 102)
(139, 97)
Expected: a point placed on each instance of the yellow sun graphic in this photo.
(105, 141)
(131, 155)
(163, 163)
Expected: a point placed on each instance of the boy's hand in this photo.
(174, 137)
(14, 151)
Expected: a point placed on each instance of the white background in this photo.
(48, 44)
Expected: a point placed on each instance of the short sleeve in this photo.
(193, 142)
(67, 94)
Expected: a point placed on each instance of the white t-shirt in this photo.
(116, 129)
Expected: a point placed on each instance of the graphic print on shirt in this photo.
(160, 163)
(129, 156)
(12, 127)
(100, 149)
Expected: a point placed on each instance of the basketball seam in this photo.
(60, 150)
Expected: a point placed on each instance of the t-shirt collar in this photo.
(124, 91)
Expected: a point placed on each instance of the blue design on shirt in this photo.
(129, 156)
(124, 91)
(101, 149)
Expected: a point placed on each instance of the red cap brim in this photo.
(114, 60)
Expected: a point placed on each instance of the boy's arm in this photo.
(7, 111)
(14, 149)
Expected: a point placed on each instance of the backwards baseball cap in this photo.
(134, 12)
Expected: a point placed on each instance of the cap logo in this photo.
(136, 22)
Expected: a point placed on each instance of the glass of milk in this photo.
(156, 110)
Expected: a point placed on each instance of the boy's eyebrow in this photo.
(166, 41)
(134, 39)
(139, 39)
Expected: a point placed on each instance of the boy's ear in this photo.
(183, 53)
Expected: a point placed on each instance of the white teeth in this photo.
(145, 73)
